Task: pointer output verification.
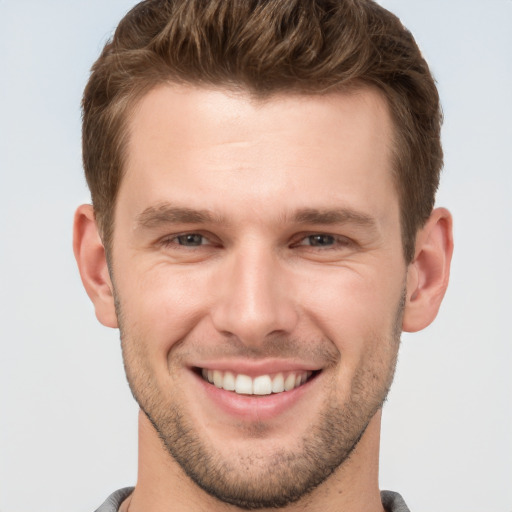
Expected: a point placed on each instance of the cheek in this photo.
(161, 306)
(354, 310)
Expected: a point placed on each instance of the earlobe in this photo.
(429, 272)
(92, 264)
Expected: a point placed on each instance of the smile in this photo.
(260, 385)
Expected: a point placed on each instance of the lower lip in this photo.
(253, 408)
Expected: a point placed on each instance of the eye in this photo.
(189, 247)
(323, 242)
(191, 240)
(185, 241)
(319, 240)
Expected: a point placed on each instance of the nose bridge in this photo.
(253, 301)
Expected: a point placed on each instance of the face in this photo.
(259, 276)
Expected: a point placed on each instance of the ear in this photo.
(429, 272)
(92, 264)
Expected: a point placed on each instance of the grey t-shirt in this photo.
(392, 501)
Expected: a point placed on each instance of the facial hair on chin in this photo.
(246, 480)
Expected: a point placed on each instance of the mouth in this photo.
(260, 385)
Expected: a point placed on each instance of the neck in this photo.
(162, 484)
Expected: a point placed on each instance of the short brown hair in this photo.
(265, 47)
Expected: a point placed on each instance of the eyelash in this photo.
(336, 241)
(174, 240)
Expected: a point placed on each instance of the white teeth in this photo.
(261, 385)
(290, 382)
(278, 383)
(243, 385)
(218, 379)
(229, 382)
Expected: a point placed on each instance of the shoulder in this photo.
(113, 502)
(393, 502)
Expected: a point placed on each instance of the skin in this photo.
(299, 266)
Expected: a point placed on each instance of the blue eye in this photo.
(190, 240)
(321, 240)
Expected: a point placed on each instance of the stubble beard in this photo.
(286, 476)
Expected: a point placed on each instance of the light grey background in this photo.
(67, 420)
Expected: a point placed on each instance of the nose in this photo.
(254, 298)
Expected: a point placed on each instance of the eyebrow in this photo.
(166, 213)
(334, 216)
(155, 216)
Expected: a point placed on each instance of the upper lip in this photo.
(254, 368)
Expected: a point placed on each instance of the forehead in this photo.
(191, 144)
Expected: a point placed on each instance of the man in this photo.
(263, 177)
